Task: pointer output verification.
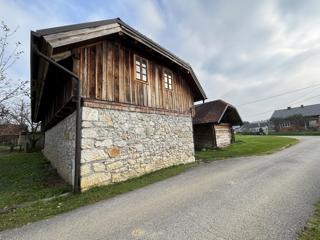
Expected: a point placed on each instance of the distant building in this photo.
(261, 127)
(297, 119)
(9, 134)
(212, 124)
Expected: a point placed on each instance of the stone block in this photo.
(85, 169)
(96, 179)
(87, 143)
(89, 114)
(117, 177)
(89, 155)
(113, 152)
(89, 133)
(139, 147)
(99, 167)
(86, 124)
(104, 143)
(106, 119)
(120, 143)
(114, 165)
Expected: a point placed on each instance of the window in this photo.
(141, 69)
(167, 75)
(285, 124)
(312, 123)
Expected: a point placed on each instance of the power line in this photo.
(278, 95)
(271, 110)
(309, 98)
(259, 113)
(303, 99)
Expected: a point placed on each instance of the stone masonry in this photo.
(59, 147)
(118, 145)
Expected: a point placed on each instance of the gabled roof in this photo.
(257, 124)
(54, 40)
(217, 111)
(306, 111)
(11, 129)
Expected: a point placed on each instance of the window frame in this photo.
(168, 72)
(140, 60)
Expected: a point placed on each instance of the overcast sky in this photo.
(241, 50)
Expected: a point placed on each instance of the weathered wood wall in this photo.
(203, 136)
(223, 134)
(107, 70)
(212, 135)
(59, 91)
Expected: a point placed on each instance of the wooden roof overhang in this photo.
(57, 43)
(216, 112)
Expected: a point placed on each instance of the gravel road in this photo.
(261, 197)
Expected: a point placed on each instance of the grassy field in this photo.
(246, 145)
(312, 229)
(26, 177)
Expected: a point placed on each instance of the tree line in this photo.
(15, 107)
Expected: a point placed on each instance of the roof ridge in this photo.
(298, 107)
(77, 26)
(130, 31)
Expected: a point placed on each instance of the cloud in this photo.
(240, 50)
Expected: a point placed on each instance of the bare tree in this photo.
(4, 113)
(21, 115)
(9, 88)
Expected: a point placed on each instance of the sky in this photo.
(241, 51)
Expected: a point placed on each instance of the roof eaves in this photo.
(198, 83)
(125, 28)
(222, 114)
(54, 30)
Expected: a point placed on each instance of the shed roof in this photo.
(217, 111)
(306, 111)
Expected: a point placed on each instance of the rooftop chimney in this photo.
(288, 108)
(302, 106)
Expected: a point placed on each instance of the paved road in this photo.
(265, 197)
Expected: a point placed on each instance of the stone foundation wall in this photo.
(118, 145)
(59, 147)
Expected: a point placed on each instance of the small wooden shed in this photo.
(9, 133)
(212, 124)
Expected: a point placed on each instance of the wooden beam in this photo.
(66, 38)
(60, 56)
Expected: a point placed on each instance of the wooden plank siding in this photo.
(204, 136)
(107, 72)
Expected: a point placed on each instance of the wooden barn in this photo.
(10, 133)
(113, 103)
(212, 124)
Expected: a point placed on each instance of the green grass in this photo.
(27, 177)
(312, 229)
(29, 171)
(246, 145)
